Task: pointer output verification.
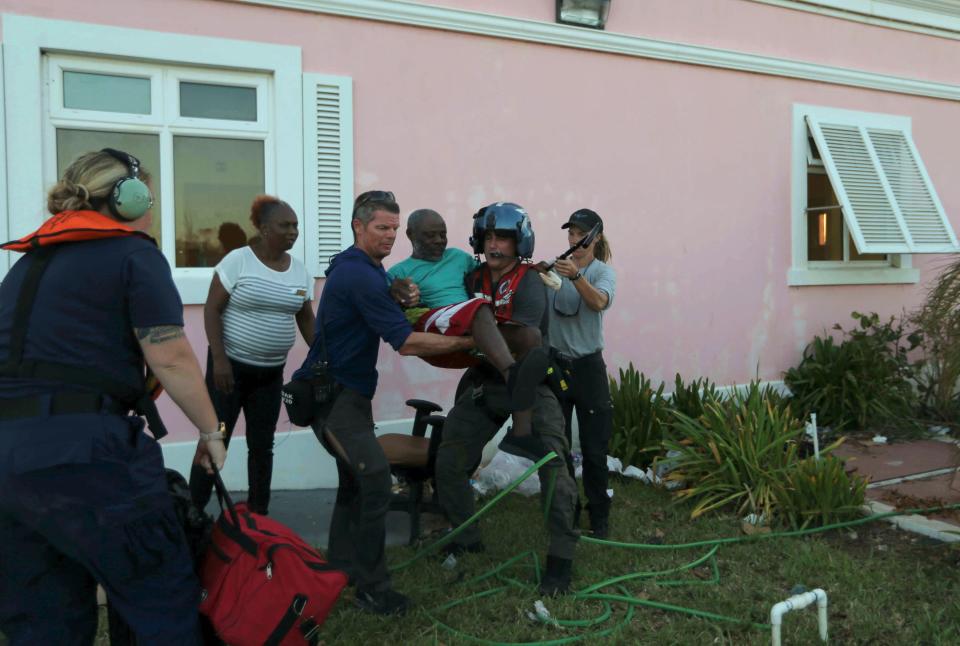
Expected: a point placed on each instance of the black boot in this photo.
(600, 527)
(556, 580)
(600, 523)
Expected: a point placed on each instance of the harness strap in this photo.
(25, 300)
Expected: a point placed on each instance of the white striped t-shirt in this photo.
(259, 327)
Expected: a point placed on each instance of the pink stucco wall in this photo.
(690, 166)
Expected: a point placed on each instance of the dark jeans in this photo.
(358, 527)
(589, 394)
(256, 391)
(84, 500)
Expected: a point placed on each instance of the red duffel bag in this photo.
(262, 584)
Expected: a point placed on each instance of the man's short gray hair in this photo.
(370, 202)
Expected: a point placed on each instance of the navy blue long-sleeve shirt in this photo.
(356, 311)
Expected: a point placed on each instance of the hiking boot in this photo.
(600, 527)
(524, 376)
(525, 446)
(459, 549)
(556, 580)
(382, 602)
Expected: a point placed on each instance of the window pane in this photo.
(824, 224)
(825, 235)
(106, 93)
(856, 255)
(214, 182)
(207, 101)
(73, 143)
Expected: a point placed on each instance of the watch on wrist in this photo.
(219, 434)
(576, 278)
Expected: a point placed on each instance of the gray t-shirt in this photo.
(575, 329)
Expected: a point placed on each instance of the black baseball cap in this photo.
(584, 219)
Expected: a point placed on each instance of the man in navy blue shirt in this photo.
(356, 310)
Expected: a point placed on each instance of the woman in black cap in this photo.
(576, 340)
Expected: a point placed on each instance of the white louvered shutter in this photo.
(6, 257)
(328, 167)
(889, 204)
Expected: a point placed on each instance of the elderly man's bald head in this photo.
(428, 234)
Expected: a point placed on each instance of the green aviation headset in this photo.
(130, 197)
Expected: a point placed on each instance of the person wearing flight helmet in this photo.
(502, 233)
(83, 492)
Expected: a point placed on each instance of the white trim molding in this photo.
(471, 22)
(27, 39)
(932, 17)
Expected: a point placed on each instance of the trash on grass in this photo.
(541, 614)
(650, 477)
(503, 469)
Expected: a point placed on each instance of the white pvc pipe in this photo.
(812, 430)
(797, 602)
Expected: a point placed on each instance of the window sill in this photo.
(193, 284)
(800, 277)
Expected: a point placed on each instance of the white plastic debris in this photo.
(879, 439)
(503, 469)
(754, 519)
(648, 476)
(614, 464)
(541, 614)
(938, 430)
(450, 562)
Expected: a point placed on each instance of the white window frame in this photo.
(165, 123)
(27, 39)
(898, 270)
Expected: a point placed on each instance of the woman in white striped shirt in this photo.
(258, 298)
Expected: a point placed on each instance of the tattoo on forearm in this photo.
(160, 333)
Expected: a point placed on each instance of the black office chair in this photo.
(414, 476)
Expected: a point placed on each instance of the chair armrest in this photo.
(433, 421)
(423, 407)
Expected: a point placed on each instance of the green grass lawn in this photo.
(885, 586)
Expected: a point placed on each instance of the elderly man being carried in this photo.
(430, 284)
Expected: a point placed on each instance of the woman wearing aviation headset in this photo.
(83, 493)
(575, 337)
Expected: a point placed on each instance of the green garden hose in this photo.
(592, 592)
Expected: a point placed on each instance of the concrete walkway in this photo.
(910, 475)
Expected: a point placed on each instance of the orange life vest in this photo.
(73, 226)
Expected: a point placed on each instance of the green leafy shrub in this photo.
(819, 492)
(734, 453)
(690, 399)
(862, 382)
(937, 322)
(639, 416)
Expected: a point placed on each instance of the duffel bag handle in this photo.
(223, 497)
